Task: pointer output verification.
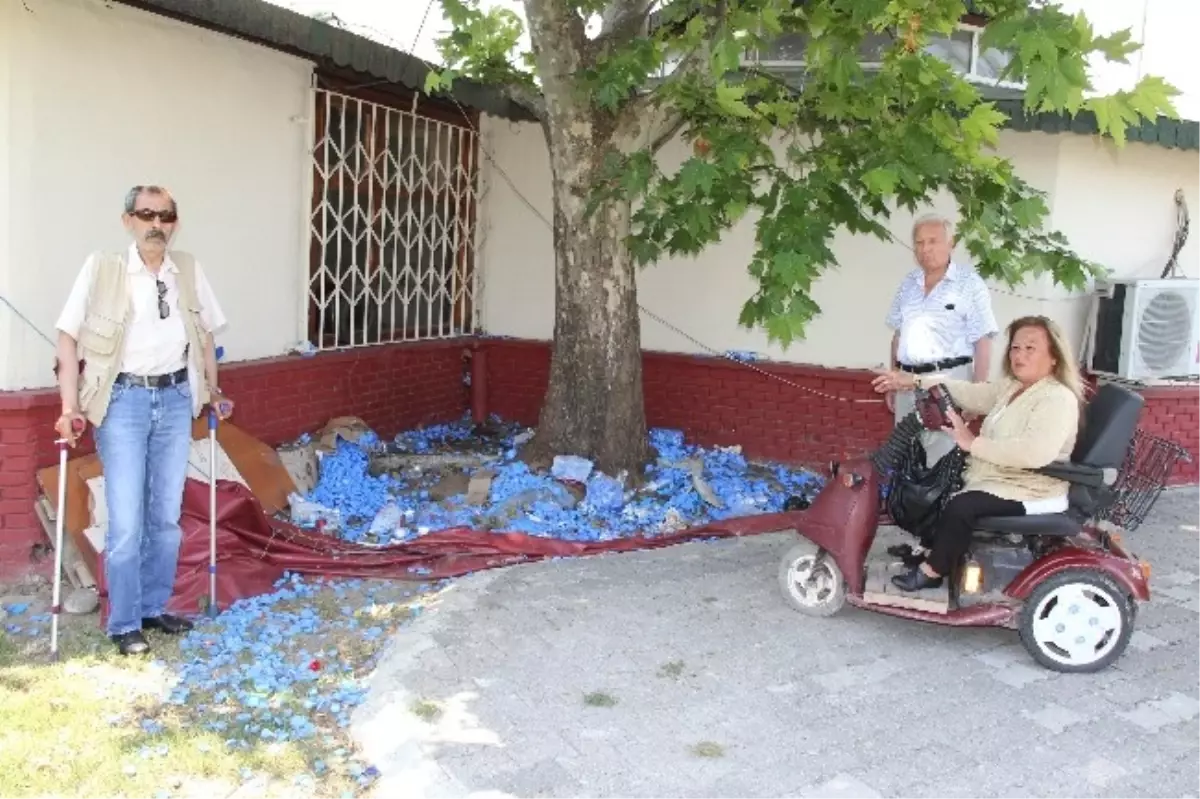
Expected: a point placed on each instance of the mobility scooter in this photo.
(1064, 581)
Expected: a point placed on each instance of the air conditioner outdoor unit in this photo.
(1146, 329)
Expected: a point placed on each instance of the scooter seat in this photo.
(1058, 524)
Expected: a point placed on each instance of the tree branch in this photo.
(623, 17)
(559, 42)
(650, 119)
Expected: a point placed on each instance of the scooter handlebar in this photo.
(933, 407)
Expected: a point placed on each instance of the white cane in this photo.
(59, 521)
(212, 512)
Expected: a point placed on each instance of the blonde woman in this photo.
(1033, 415)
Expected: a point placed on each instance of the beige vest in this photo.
(102, 335)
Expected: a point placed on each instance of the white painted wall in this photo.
(1114, 206)
(703, 295)
(97, 98)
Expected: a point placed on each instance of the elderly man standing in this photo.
(942, 321)
(142, 321)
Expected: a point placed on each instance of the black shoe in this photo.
(916, 580)
(908, 556)
(131, 643)
(172, 625)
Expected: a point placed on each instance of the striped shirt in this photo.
(947, 322)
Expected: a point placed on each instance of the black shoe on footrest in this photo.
(900, 551)
(916, 580)
(172, 625)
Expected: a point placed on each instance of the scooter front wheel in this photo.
(811, 580)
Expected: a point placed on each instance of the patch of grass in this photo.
(426, 710)
(99, 724)
(82, 727)
(672, 669)
(708, 749)
(599, 699)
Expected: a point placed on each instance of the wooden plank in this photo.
(72, 561)
(257, 463)
(879, 590)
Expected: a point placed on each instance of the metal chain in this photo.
(752, 367)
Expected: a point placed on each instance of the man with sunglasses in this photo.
(141, 322)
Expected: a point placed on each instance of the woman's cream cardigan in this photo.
(1039, 426)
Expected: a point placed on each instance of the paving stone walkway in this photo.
(683, 672)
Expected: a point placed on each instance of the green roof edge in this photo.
(1173, 134)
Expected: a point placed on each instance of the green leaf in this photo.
(983, 123)
(1116, 46)
(730, 99)
(1152, 96)
(881, 181)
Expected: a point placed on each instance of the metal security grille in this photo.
(393, 221)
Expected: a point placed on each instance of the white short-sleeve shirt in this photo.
(947, 322)
(153, 346)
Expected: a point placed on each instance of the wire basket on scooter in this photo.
(1143, 476)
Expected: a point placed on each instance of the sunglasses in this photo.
(164, 310)
(147, 215)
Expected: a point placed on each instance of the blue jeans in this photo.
(143, 443)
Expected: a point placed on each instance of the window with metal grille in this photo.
(392, 229)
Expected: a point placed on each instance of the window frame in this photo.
(971, 74)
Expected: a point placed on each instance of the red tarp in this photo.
(254, 550)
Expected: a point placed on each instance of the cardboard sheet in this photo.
(257, 465)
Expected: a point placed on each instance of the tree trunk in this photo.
(594, 404)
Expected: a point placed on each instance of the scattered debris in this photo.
(81, 601)
(301, 461)
(384, 492)
(290, 665)
(572, 468)
(696, 467)
(480, 487)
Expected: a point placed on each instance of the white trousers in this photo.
(937, 443)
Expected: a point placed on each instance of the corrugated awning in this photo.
(285, 30)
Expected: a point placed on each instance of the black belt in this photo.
(153, 381)
(936, 366)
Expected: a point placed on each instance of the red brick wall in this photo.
(1174, 413)
(714, 401)
(718, 402)
(391, 388)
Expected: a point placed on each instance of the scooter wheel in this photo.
(811, 580)
(1077, 621)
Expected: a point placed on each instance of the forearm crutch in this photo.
(77, 426)
(212, 512)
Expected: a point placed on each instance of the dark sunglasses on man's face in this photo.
(147, 215)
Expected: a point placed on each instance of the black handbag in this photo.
(917, 494)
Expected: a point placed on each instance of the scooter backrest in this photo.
(1109, 423)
